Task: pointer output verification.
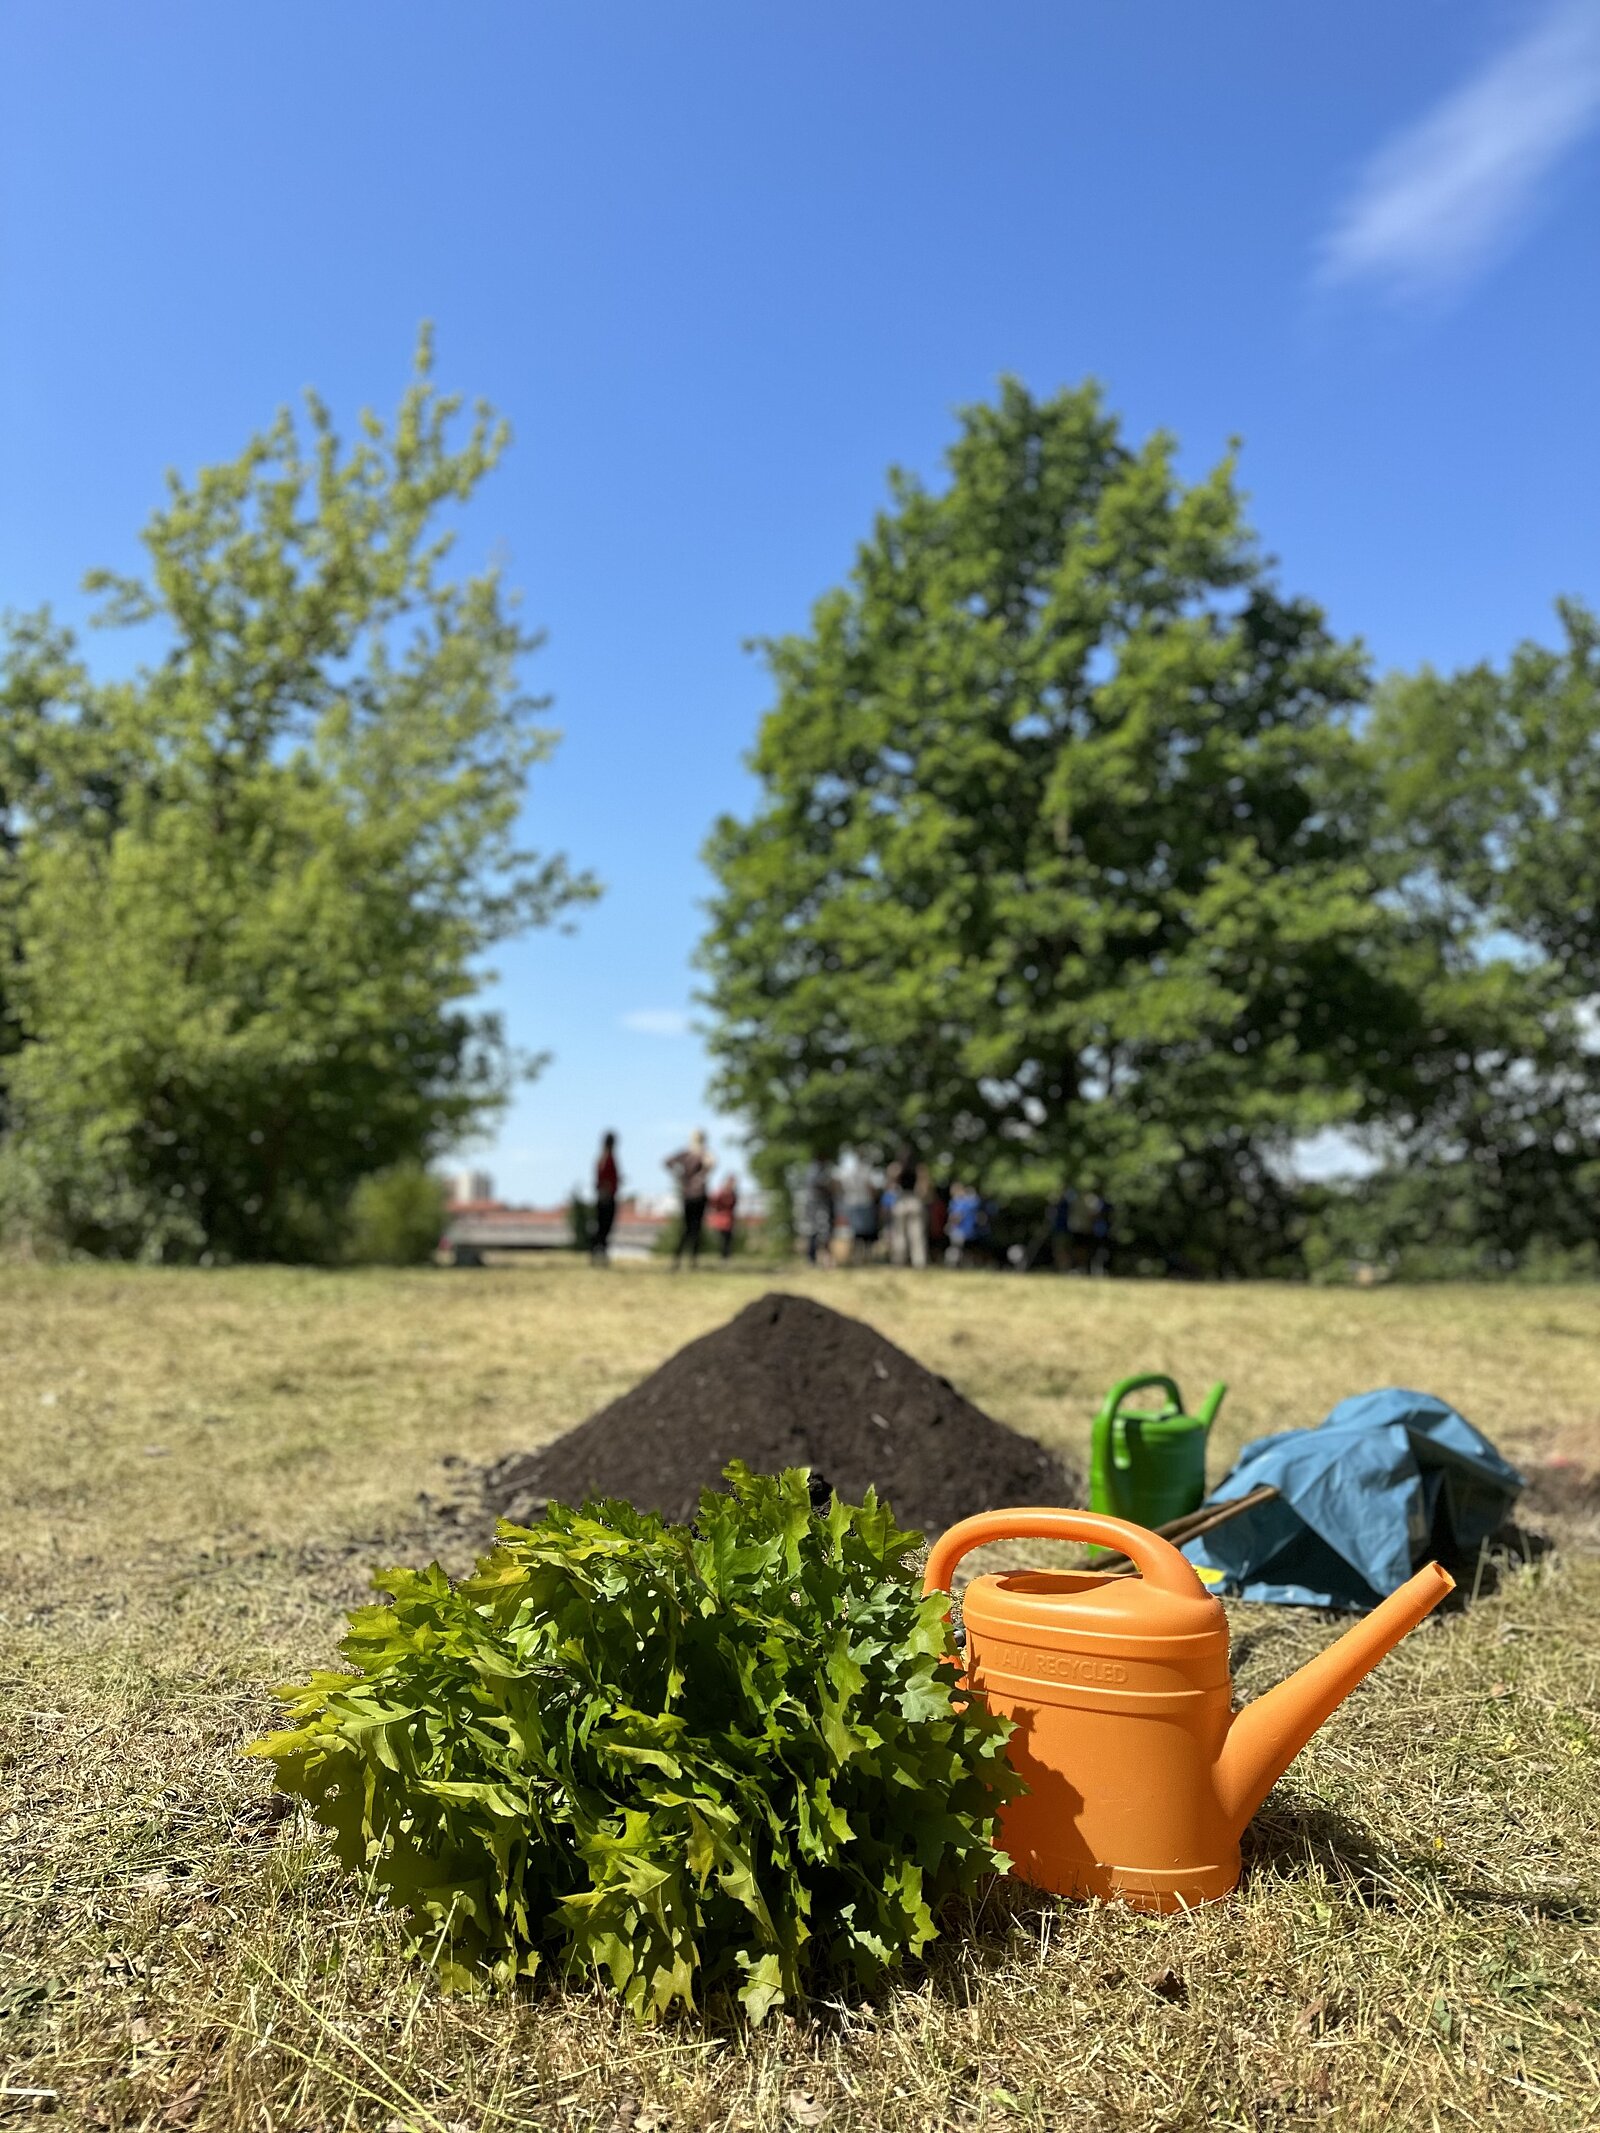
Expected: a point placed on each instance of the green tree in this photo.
(1489, 832)
(247, 891)
(37, 671)
(1491, 1163)
(1060, 864)
(1492, 782)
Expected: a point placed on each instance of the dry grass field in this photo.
(200, 1469)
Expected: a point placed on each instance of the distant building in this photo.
(486, 1224)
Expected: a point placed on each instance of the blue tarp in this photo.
(1363, 1498)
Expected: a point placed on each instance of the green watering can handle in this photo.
(1112, 1420)
(1118, 1393)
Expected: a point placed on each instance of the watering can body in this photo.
(1150, 1466)
(1141, 1778)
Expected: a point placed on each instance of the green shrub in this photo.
(686, 1758)
(59, 1200)
(396, 1217)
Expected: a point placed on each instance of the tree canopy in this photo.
(246, 892)
(1062, 863)
(1493, 786)
(1488, 784)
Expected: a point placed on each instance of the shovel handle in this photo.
(1157, 1560)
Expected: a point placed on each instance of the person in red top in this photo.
(607, 1178)
(720, 1211)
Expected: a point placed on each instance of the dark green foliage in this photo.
(770, 1165)
(245, 894)
(1492, 780)
(397, 1217)
(1493, 1169)
(1060, 867)
(1489, 832)
(1071, 865)
(1452, 1221)
(684, 1759)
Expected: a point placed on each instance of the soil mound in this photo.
(790, 1383)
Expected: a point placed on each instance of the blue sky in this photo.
(721, 264)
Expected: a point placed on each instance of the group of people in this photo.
(914, 1219)
(702, 1206)
(908, 1213)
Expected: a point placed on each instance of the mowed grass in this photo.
(200, 1469)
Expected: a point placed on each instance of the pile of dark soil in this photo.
(790, 1383)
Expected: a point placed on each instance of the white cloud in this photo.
(1451, 192)
(656, 1021)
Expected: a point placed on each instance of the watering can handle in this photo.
(1118, 1393)
(1156, 1560)
(1116, 1423)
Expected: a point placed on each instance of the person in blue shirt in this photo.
(963, 1223)
(861, 1213)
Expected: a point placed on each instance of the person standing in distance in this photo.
(908, 1218)
(721, 1213)
(691, 1167)
(607, 1183)
(821, 1212)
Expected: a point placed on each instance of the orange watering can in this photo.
(1141, 1776)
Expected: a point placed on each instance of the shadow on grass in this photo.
(1290, 1839)
(1480, 1572)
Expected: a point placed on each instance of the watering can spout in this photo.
(1267, 1735)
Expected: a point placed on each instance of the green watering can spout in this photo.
(1209, 1405)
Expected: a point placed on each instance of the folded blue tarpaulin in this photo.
(1364, 1497)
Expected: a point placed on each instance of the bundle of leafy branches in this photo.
(725, 1756)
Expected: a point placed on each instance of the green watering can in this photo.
(1147, 1466)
